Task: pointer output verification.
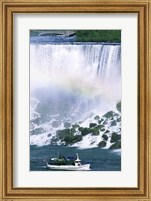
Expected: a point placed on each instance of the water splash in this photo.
(74, 81)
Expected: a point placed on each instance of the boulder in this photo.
(80, 129)
(115, 137)
(100, 121)
(92, 125)
(36, 121)
(37, 131)
(75, 126)
(95, 131)
(118, 106)
(116, 145)
(97, 117)
(62, 133)
(54, 140)
(100, 126)
(113, 123)
(67, 136)
(119, 119)
(49, 135)
(109, 114)
(102, 144)
(56, 124)
(67, 125)
(85, 131)
(71, 139)
(105, 137)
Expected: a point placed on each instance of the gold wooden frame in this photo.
(7, 9)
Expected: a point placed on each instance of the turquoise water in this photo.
(100, 159)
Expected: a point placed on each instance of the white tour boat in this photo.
(62, 163)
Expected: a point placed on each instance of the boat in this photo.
(62, 163)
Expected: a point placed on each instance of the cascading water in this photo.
(71, 83)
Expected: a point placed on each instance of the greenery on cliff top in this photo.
(88, 35)
(98, 36)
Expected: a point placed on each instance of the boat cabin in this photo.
(77, 161)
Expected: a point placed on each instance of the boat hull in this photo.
(69, 167)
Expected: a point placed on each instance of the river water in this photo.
(100, 159)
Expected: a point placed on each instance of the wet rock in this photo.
(36, 121)
(54, 140)
(105, 137)
(56, 124)
(62, 133)
(73, 130)
(119, 119)
(100, 126)
(75, 126)
(92, 125)
(116, 145)
(102, 144)
(109, 114)
(37, 131)
(113, 123)
(68, 137)
(80, 129)
(67, 125)
(49, 135)
(115, 137)
(100, 121)
(85, 131)
(95, 131)
(107, 131)
(118, 106)
(45, 118)
(97, 117)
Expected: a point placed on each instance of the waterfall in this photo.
(73, 81)
(74, 61)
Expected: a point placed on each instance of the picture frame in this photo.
(8, 9)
